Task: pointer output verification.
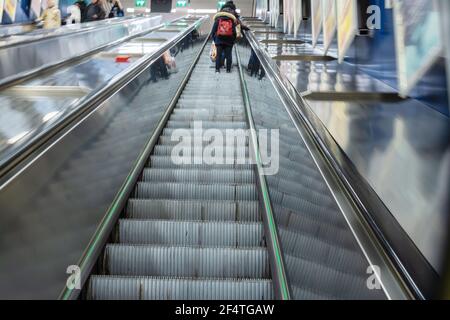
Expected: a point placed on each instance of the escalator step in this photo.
(194, 162)
(167, 261)
(191, 233)
(209, 117)
(328, 281)
(147, 288)
(194, 191)
(193, 210)
(233, 151)
(313, 249)
(184, 139)
(209, 110)
(198, 176)
(207, 124)
(302, 224)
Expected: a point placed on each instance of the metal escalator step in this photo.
(149, 288)
(166, 150)
(174, 261)
(217, 106)
(168, 162)
(221, 110)
(339, 235)
(314, 210)
(185, 138)
(207, 117)
(311, 182)
(306, 294)
(196, 192)
(198, 176)
(323, 198)
(207, 124)
(191, 233)
(193, 210)
(313, 249)
(328, 281)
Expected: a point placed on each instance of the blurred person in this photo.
(224, 36)
(51, 17)
(230, 7)
(82, 5)
(95, 11)
(116, 9)
(74, 14)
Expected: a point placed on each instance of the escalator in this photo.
(192, 231)
(196, 231)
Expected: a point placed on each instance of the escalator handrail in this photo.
(86, 105)
(279, 278)
(42, 37)
(100, 237)
(403, 286)
(28, 74)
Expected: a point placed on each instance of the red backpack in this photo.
(225, 28)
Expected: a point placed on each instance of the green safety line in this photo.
(282, 279)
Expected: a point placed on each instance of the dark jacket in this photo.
(95, 12)
(222, 40)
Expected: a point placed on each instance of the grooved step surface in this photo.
(179, 261)
(193, 210)
(187, 233)
(146, 288)
(157, 190)
(193, 229)
(199, 176)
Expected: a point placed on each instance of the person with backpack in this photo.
(224, 36)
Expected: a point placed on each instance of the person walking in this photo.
(224, 36)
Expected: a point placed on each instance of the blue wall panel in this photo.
(376, 55)
(24, 14)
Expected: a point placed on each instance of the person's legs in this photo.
(228, 56)
(218, 57)
(222, 59)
